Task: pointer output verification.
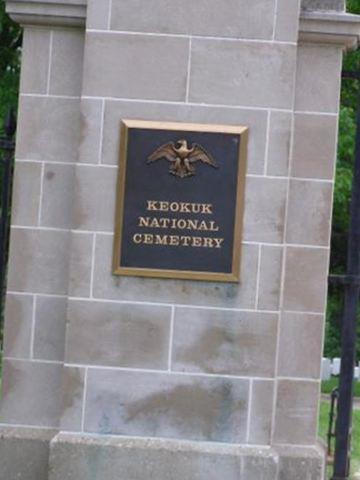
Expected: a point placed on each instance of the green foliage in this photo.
(353, 6)
(355, 445)
(10, 45)
(328, 386)
(350, 95)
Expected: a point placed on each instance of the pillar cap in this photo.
(64, 13)
(330, 27)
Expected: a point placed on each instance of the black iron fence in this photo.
(331, 434)
(7, 149)
(351, 284)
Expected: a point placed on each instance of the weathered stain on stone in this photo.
(220, 342)
(188, 406)
(73, 385)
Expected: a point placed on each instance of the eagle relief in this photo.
(182, 158)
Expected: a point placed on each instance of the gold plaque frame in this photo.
(234, 276)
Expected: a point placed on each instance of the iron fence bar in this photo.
(332, 418)
(7, 144)
(348, 336)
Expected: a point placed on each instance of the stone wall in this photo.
(196, 363)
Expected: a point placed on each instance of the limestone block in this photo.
(305, 279)
(298, 463)
(229, 343)
(26, 194)
(73, 381)
(168, 406)
(80, 264)
(91, 130)
(98, 14)
(234, 18)
(300, 345)
(35, 60)
(57, 196)
(31, 393)
(49, 332)
(18, 321)
(287, 20)
(309, 213)
(241, 295)
(279, 143)
(126, 335)
(314, 150)
(24, 453)
(117, 110)
(77, 457)
(222, 72)
(318, 78)
(265, 201)
(261, 412)
(296, 412)
(66, 62)
(38, 261)
(143, 66)
(271, 260)
(48, 129)
(95, 211)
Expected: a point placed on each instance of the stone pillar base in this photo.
(24, 453)
(76, 457)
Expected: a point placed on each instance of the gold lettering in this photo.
(192, 224)
(137, 238)
(213, 227)
(151, 205)
(154, 223)
(181, 224)
(185, 207)
(161, 239)
(174, 240)
(182, 207)
(207, 208)
(208, 242)
(164, 222)
(196, 241)
(144, 222)
(185, 241)
(174, 207)
(203, 226)
(195, 207)
(148, 239)
(218, 242)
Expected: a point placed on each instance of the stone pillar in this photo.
(122, 377)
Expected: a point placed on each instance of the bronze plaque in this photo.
(180, 201)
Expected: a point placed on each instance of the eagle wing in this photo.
(200, 154)
(165, 151)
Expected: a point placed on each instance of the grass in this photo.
(323, 426)
(328, 386)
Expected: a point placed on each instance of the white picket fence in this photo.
(332, 367)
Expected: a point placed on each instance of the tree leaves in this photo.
(10, 50)
(350, 95)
